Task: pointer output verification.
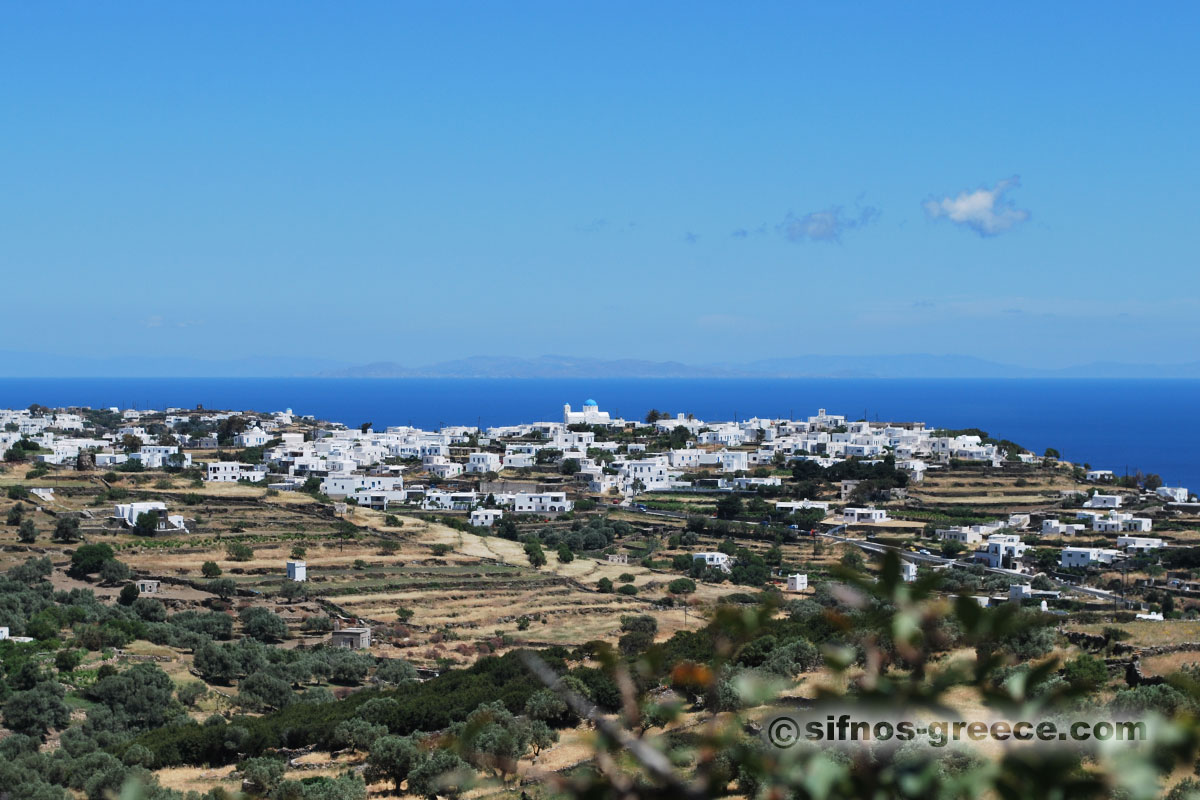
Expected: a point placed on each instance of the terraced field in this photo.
(1019, 488)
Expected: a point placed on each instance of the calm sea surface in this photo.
(1114, 424)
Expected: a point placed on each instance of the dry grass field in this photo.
(482, 596)
(1020, 489)
(1145, 633)
(468, 594)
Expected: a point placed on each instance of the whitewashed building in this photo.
(590, 414)
(485, 517)
(792, 506)
(1138, 544)
(1053, 527)
(541, 503)
(686, 458)
(232, 472)
(1002, 550)
(1174, 494)
(344, 485)
(128, 513)
(479, 463)
(519, 460)
(445, 470)
(852, 516)
(1086, 556)
(717, 560)
(1103, 501)
(436, 499)
(253, 437)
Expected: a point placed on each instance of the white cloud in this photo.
(827, 225)
(988, 212)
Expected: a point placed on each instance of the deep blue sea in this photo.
(1113, 424)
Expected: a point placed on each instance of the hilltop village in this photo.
(248, 563)
(667, 465)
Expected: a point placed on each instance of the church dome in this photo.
(589, 402)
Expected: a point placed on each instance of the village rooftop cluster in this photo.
(598, 459)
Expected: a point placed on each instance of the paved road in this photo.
(941, 560)
(833, 533)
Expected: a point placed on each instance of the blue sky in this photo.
(698, 181)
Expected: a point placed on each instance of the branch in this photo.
(655, 763)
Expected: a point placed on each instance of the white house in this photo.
(1003, 550)
(733, 460)
(915, 467)
(718, 560)
(1052, 527)
(542, 503)
(1103, 501)
(1138, 544)
(379, 499)
(343, 485)
(852, 516)
(478, 463)
(792, 506)
(485, 517)
(752, 484)
(652, 473)
(1099, 475)
(797, 582)
(454, 501)
(1175, 494)
(823, 420)
(297, 571)
(668, 424)
(159, 456)
(963, 535)
(908, 571)
(1019, 591)
(685, 459)
(574, 441)
(128, 513)
(445, 470)
(519, 460)
(253, 437)
(232, 472)
(1086, 556)
(1116, 522)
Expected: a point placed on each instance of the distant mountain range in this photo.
(815, 366)
(30, 365)
(540, 367)
(39, 365)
